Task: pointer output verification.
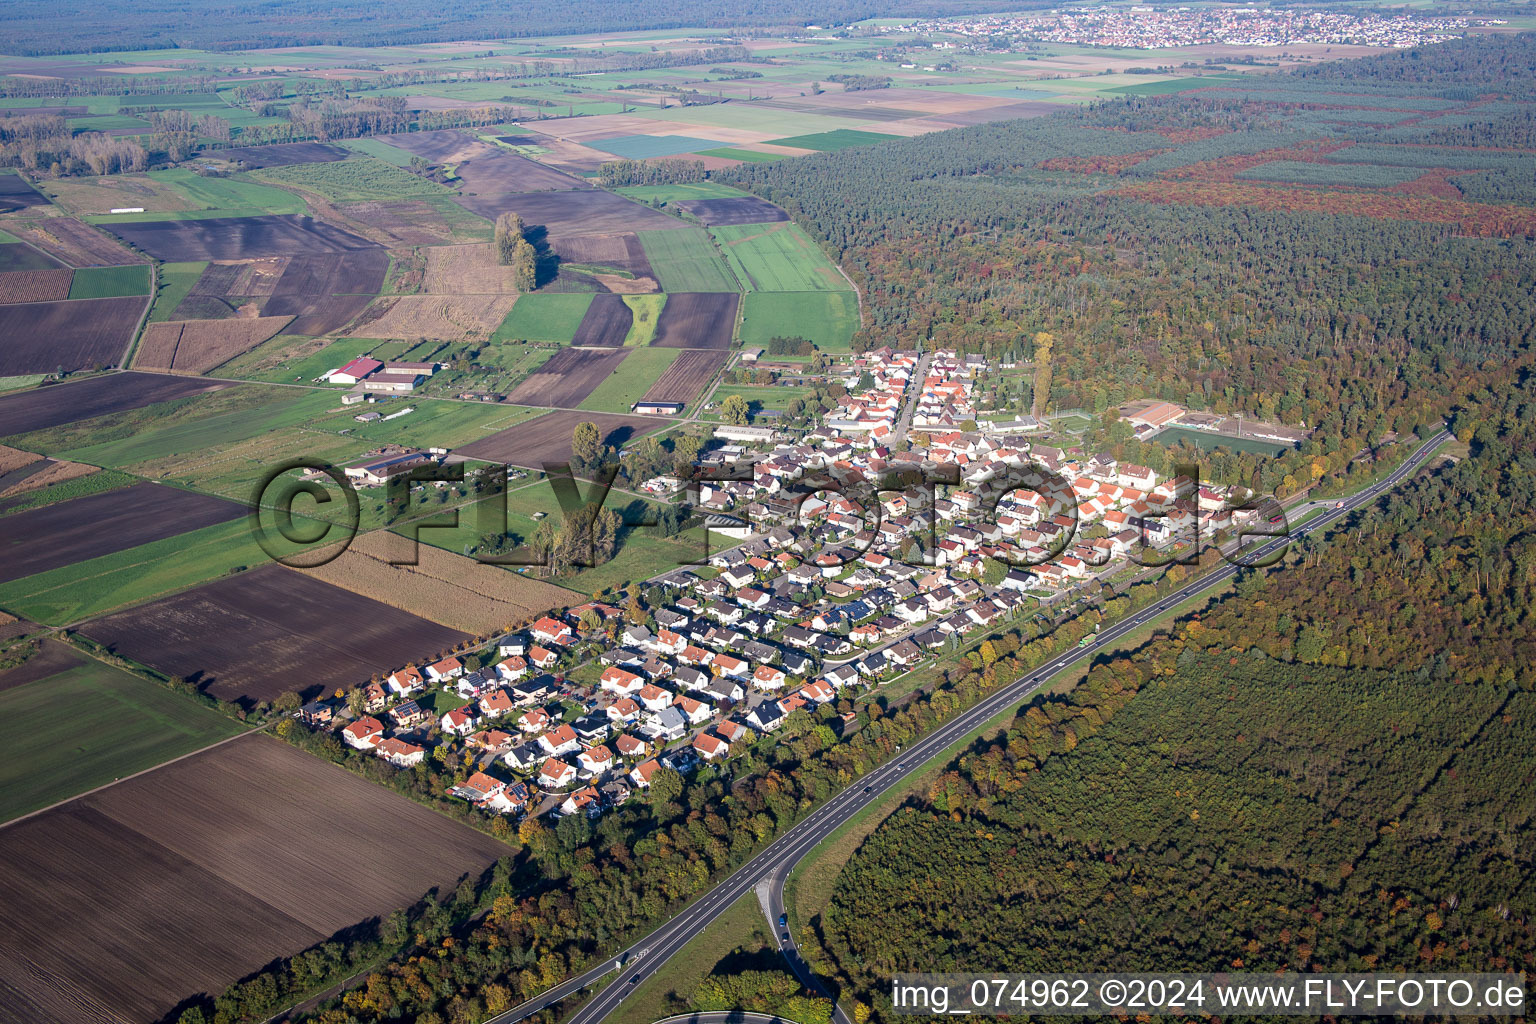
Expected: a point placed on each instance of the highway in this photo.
(775, 862)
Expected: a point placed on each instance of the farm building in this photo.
(355, 371)
(657, 408)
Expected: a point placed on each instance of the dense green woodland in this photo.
(41, 27)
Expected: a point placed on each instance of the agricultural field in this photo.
(17, 256)
(568, 377)
(251, 636)
(432, 423)
(687, 261)
(605, 324)
(42, 337)
(445, 587)
(433, 317)
(235, 238)
(466, 270)
(687, 377)
(47, 538)
(324, 292)
(745, 210)
(547, 439)
(629, 380)
(35, 285)
(197, 346)
(682, 191)
(777, 257)
(173, 283)
(16, 193)
(111, 282)
(838, 138)
(75, 244)
(697, 320)
(119, 904)
(118, 724)
(551, 318)
(829, 319)
(282, 154)
(585, 212)
(644, 312)
(96, 196)
(358, 179)
(494, 171)
(61, 404)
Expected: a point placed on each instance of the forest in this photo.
(1329, 770)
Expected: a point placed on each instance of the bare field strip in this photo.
(16, 193)
(606, 324)
(688, 375)
(45, 476)
(251, 636)
(568, 377)
(563, 214)
(197, 346)
(466, 270)
(444, 146)
(120, 904)
(235, 238)
(499, 172)
(547, 439)
(443, 586)
(51, 658)
(35, 285)
(697, 320)
(620, 251)
(434, 317)
(99, 524)
(76, 244)
(54, 406)
(324, 292)
(40, 337)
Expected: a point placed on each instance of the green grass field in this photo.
(829, 319)
(553, 318)
(355, 180)
(116, 724)
(110, 282)
(432, 423)
(379, 151)
(645, 311)
(630, 380)
(777, 257)
(687, 261)
(746, 156)
(838, 138)
(175, 280)
(212, 197)
(292, 359)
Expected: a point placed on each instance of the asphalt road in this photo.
(778, 859)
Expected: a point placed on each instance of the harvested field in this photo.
(746, 210)
(571, 157)
(621, 251)
(197, 346)
(547, 439)
(223, 287)
(45, 538)
(96, 196)
(118, 905)
(326, 291)
(234, 238)
(688, 375)
(281, 155)
(434, 317)
(606, 324)
(402, 223)
(443, 586)
(40, 337)
(251, 636)
(12, 459)
(466, 270)
(76, 244)
(16, 193)
(569, 376)
(45, 475)
(563, 214)
(18, 256)
(697, 320)
(498, 172)
(35, 285)
(58, 404)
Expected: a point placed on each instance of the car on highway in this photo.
(866, 789)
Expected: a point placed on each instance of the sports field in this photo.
(829, 319)
(116, 724)
(687, 261)
(553, 317)
(777, 257)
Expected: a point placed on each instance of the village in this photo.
(880, 538)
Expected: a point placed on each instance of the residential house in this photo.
(448, 668)
(400, 753)
(595, 760)
(364, 734)
(460, 721)
(560, 740)
(556, 774)
(710, 747)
